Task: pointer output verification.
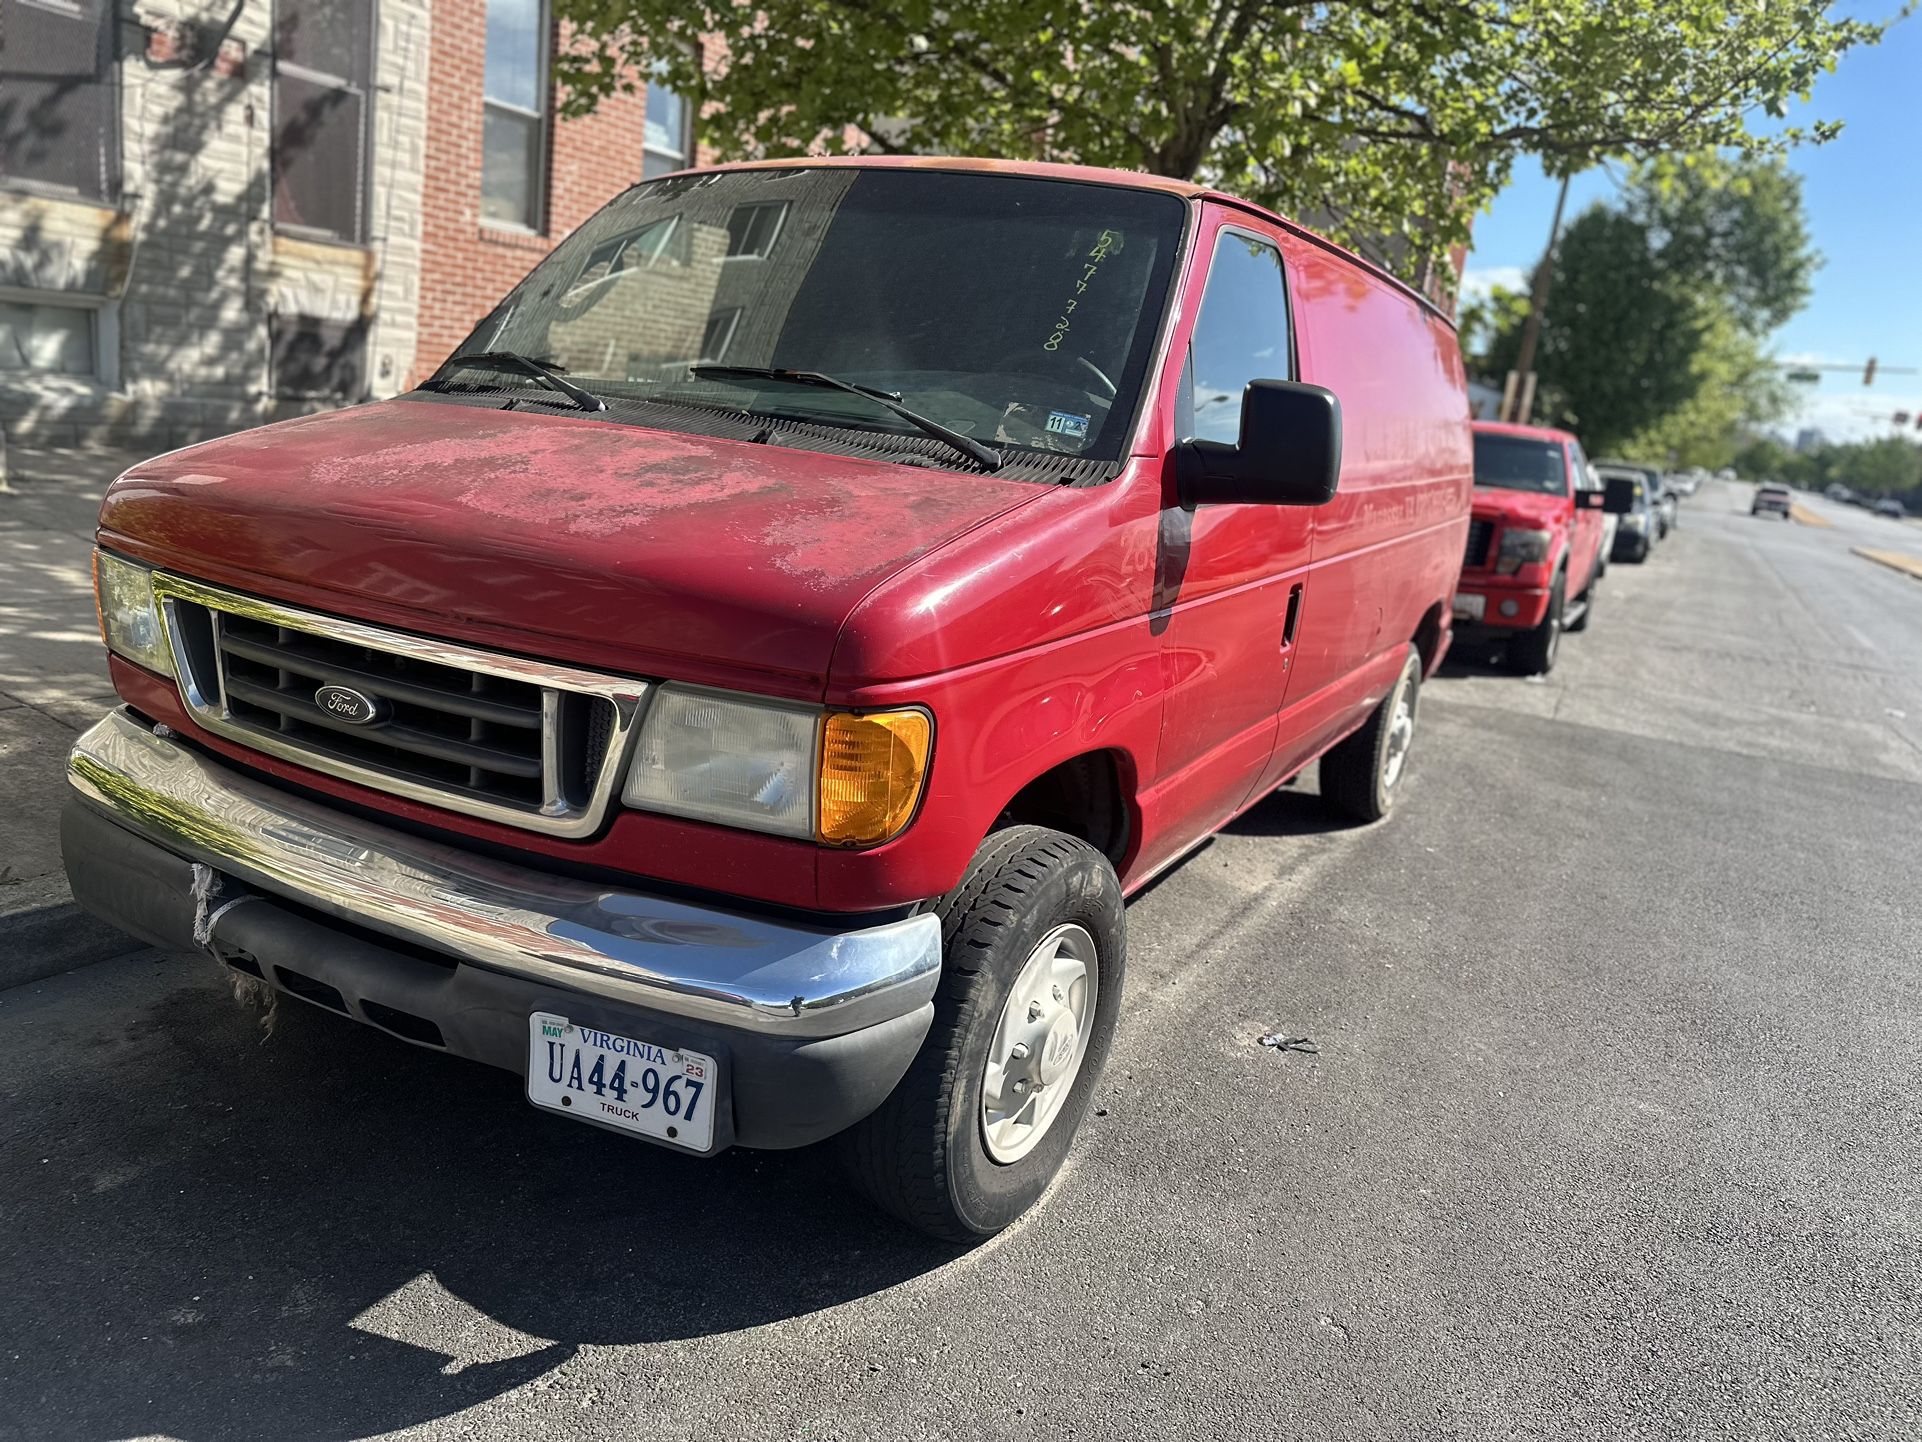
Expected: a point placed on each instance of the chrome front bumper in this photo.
(770, 978)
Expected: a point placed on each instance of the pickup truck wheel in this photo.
(1533, 653)
(1359, 775)
(1031, 986)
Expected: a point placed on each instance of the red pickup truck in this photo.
(739, 689)
(1534, 553)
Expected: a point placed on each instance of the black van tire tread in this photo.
(900, 1157)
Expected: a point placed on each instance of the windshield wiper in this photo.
(513, 360)
(890, 400)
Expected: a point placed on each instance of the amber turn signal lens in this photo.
(872, 771)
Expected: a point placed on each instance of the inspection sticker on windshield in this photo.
(1066, 423)
(621, 1082)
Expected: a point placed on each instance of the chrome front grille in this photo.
(478, 732)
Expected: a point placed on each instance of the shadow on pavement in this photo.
(198, 1223)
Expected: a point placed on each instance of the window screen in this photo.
(46, 339)
(319, 359)
(57, 109)
(323, 67)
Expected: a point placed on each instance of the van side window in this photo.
(1241, 335)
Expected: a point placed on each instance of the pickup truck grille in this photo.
(486, 734)
(1480, 533)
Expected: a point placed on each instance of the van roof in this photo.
(1087, 175)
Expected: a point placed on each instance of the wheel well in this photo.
(1083, 797)
(1428, 637)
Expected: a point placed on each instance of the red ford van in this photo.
(738, 691)
(1534, 552)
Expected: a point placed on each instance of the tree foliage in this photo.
(1658, 306)
(1887, 466)
(1374, 120)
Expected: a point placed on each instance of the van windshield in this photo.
(1017, 311)
(1515, 463)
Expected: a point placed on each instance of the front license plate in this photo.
(620, 1081)
(1470, 608)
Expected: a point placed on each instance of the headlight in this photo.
(1520, 548)
(129, 617)
(1635, 521)
(837, 777)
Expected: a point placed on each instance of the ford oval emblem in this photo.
(344, 703)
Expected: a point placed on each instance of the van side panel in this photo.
(1387, 549)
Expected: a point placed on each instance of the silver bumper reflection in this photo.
(691, 961)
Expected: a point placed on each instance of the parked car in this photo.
(1534, 542)
(1639, 528)
(1889, 506)
(1664, 504)
(739, 690)
(1771, 499)
(1839, 492)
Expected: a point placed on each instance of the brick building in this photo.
(214, 213)
(507, 179)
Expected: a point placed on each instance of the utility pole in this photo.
(1518, 397)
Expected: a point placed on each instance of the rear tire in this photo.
(924, 1156)
(1533, 653)
(1359, 775)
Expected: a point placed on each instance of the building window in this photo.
(46, 339)
(317, 359)
(57, 112)
(667, 140)
(719, 334)
(514, 110)
(751, 229)
(323, 69)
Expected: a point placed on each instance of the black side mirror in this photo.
(1619, 498)
(1289, 453)
(1589, 500)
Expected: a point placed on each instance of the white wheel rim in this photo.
(1039, 1043)
(1401, 732)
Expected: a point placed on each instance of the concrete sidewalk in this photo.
(53, 682)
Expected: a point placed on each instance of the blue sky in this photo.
(1863, 195)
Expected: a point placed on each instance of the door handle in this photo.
(1294, 616)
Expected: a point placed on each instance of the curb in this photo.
(48, 940)
(1894, 560)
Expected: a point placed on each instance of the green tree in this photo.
(1374, 120)
(1652, 340)
(1891, 466)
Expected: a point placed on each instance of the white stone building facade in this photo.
(210, 211)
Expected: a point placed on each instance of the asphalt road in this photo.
(1612, 1132)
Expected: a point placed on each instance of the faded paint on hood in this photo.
(629, 546)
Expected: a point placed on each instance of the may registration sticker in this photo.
(621, 1081)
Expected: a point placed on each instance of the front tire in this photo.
(1034, 951)
(1533, 653)
(1359, 775)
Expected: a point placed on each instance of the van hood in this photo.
(1533, 509)
(574, 538)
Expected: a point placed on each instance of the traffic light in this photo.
(1868, 372)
